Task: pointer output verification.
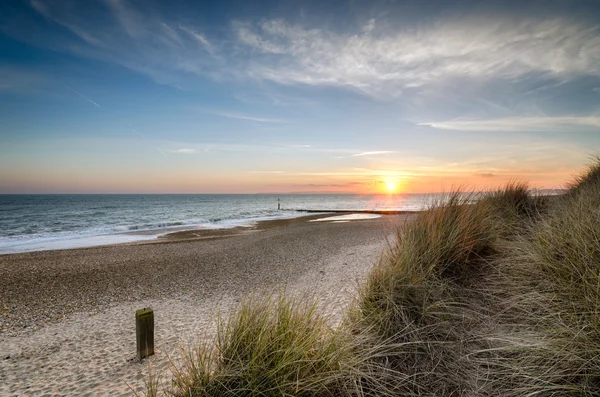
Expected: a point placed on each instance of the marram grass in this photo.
(412, 304)
(563, 251)
(270, 347)
(477, 296)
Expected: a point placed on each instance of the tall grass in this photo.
(443, 247)
(270, 347)
(411, 302)
(496, 296)
(514, 207)
(588, 180)
(548, 284)
(564, 250)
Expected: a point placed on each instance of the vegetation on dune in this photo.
(563, 255)
(270, 347)
(514, 207)
(496, 296)
(412, 306)
(587, 181)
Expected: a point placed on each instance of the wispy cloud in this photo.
(80, 32)
(299, 146)
(82, 96)
(250, 118)
(378, 59)
(519, 124)
(138, 133)
(183, 151)
(200, 38)
(386, 62)
(374, 153)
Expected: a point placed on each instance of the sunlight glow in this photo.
(391, 185)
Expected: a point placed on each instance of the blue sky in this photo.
(288, 96)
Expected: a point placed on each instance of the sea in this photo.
(61, 221)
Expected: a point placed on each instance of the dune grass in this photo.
(547, 285)
(589, 180)
(412, 302)
(269, 347)
(477, 296)
(514, 207)
(563, 252)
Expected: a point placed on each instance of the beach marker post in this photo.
(144, 332)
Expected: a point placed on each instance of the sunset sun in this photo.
(391, 186)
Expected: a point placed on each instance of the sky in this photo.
(124, 96)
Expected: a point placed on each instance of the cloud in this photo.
(200, 38)
(43, 9)
(83, 96)
(374, 153)
(141, 39)
(138, 133)
(386, 62)
(347, 184)
(183, 151)
(519, 124)
(250, 118)
(483, 175)
(379, 59)
(183, 147)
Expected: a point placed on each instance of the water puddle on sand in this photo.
(347, 218)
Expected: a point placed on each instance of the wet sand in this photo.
(67, 325)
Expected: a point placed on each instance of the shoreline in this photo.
(68, 326)
(152, 235)
(155, 235)
(158, 234)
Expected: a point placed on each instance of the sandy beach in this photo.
(67, 325)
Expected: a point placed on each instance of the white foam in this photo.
(347, 218)
(125, 234)
(88, 241)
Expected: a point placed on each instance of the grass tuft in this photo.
(565, 249)
(270, 347)
(515, 207)
(549, 279)
(411, 302)
(589, 179)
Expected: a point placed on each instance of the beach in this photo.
(68, 328)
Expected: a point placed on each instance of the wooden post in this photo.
(144, 332)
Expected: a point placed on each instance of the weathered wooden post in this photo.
(144, 332)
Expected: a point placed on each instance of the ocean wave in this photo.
(38, 219)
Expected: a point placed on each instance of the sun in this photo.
(391, 186)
